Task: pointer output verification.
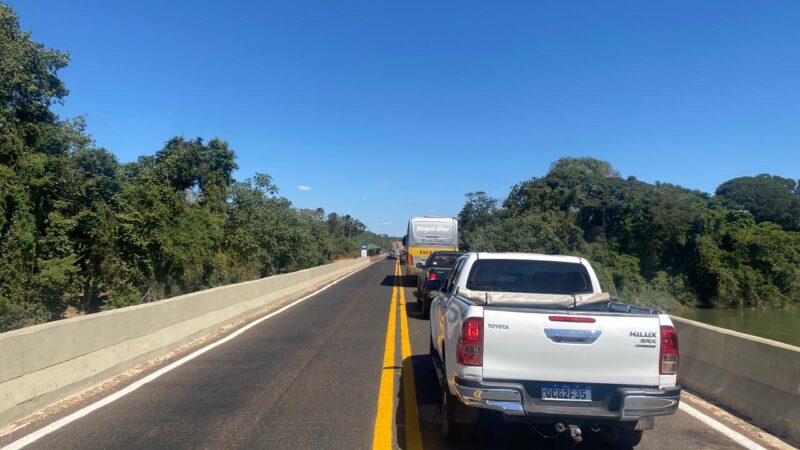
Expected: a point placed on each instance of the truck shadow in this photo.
(491, 431)
(401, 280)
(412, 310)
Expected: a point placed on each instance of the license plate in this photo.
(567, 392)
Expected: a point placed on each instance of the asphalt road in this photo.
(311, 377)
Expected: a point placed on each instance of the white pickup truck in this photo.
(533, 337)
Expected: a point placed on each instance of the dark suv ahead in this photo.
(436, 267)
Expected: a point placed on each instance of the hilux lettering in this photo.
(643, 334)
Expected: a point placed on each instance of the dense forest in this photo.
(654, 244)
(82, 232)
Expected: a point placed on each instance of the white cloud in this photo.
(386, 223)
(385, 183)
(303, 188)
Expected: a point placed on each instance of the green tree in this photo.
(768, 198)
(657, 244)
(37, 258)
(80, 231)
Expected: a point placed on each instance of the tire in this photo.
(622, 437)
(458, 421)
(432, 353)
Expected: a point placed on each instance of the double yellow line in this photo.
(382, 435)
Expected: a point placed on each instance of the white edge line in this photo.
(735, 436)
(44, 431)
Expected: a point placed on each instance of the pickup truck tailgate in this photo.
(523, 344)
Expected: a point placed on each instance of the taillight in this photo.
(431, 275)
(470, 343)
(669, 351)
(409, 259)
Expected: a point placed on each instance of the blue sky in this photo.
(364, 102)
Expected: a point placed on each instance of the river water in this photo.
(783, 326)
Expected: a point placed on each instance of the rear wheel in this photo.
(458, 420)
(425, 308)
(432, 353)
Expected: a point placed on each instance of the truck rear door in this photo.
(524, 344)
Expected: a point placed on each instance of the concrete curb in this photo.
(756, 377)
(49, 362)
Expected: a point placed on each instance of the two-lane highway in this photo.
(305, 378)
(345, 368)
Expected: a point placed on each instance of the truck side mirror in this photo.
(419, 265)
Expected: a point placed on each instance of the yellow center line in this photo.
(384, 423)
(382, 435)
(413, 436)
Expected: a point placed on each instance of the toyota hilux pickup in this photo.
(534, 338)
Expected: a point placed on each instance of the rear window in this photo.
(443, 260)
(535, 277)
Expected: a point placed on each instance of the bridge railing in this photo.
(755, 377)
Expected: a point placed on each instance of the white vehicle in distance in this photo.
(534, 338)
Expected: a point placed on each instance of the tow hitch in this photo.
(574, 431)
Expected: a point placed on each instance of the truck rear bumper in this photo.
(522, 399)
(508, 401)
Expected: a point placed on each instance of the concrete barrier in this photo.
(42, 364)
(755, 377)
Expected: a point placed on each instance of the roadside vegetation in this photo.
(82, 232)
(654, 244)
